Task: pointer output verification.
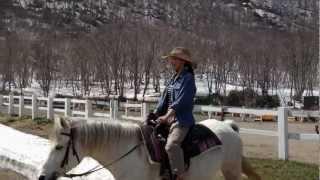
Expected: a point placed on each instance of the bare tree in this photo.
(22, 65)
(115, 49)
(44, 60)
(134, 60)
(102, 63)
(8, 59)
(150, 54)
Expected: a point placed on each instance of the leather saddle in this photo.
(198, 140)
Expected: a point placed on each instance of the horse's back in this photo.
(231, 143)
(223, 130)
(206, 165)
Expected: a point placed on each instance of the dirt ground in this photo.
(267, 147)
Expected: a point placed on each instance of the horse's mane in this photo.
(99, 134)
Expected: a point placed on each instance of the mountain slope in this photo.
(90, 14)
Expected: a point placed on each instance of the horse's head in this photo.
(63, 155)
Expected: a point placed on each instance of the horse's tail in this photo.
(247, 169)
(233, 125)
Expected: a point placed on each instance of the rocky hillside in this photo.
(89, 14)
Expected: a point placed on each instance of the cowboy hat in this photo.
(180, 53)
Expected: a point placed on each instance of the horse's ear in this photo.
(61, 122)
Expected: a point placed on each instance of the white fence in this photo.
(46, 104)
(282, 120)
(69, 110)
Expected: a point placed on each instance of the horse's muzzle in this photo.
(42, 177)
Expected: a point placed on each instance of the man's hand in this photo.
(151, 119)
(152, 116)
(164, 119)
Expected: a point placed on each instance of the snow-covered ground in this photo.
(202, 90)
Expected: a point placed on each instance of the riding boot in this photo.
(166, 175)
(176, 177)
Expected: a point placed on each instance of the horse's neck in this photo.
(105, 139)
(114, 150)
(121, 167)
(134, 165)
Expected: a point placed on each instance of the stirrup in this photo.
(174, 177)
(166, 175)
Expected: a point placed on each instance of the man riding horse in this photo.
(119, 146)
(175, 107)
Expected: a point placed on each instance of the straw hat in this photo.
(180, 53)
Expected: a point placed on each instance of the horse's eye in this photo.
(59, 147)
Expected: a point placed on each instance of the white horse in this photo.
(117, 146)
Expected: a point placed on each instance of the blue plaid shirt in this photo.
(181, 98)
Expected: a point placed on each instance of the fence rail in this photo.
(259, 132)
(281, 113)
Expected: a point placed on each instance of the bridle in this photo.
(71, 145)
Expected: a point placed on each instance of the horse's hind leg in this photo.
(232, 171)
(248, 170)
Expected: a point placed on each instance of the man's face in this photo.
(176, 63)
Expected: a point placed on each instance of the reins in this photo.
(75, 153)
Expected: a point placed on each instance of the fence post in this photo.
(111, 108)
(10, 106)
(21, 105)
(145, 110)
(115, 109)
(88, 108)
(1, 99)
(283, 133)
(222, 113)
(50, 108)
(242, 116)
(34, 107)
(67, 107)
(126, 109)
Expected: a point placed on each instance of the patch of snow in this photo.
(26, 154)
(201, 84)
